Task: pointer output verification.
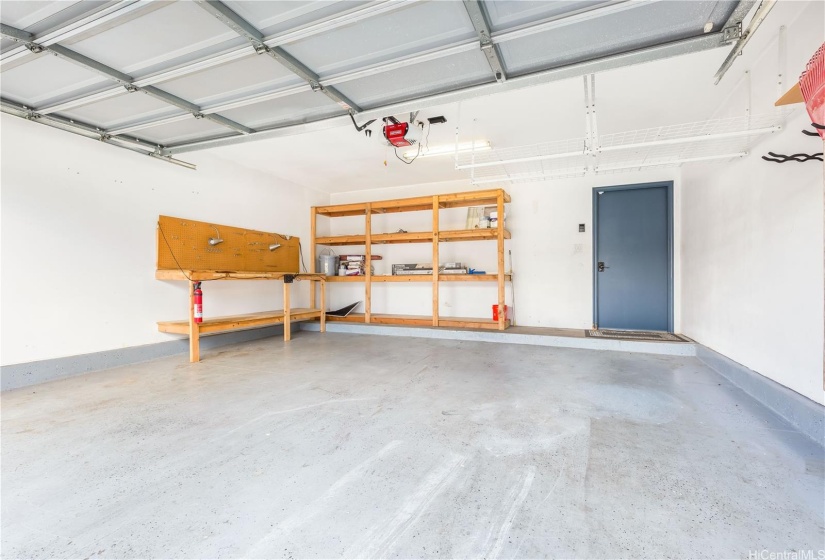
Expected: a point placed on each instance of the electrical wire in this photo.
(426, 141)
(301, 254)
(171, 252)
(404, 160)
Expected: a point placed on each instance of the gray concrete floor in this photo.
(362, 446)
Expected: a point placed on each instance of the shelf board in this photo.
(421, 278)
(420, 321)
(456, 200)
(341, 240)
(203, 275)
(471, 235)
(408, 237)
(471, 278)
(413, 237)
(234, 322)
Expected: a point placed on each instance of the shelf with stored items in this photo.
(420, 278)
(411, 237)
(434, 204)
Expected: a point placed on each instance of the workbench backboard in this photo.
(242, 250)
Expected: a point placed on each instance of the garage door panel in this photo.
(273, 18)
(169, 34)
(435, 76)
(45, 77)
(617, 33)
(247, 76)
(122, 110)
(381, 38)
(292, 109)
(506, 14)
(182, 131)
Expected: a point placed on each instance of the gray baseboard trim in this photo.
(509, 337)
(801, 412)
(32, 373)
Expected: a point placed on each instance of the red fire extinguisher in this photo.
(198, 301)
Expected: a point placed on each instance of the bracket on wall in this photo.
(799, 158)
(732, 33)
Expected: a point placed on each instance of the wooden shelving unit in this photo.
(432, 204)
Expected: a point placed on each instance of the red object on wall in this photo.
(812, 84)
(197, 295)
(395, 134)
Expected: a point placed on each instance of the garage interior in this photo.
(412, 279)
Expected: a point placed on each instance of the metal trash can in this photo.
(328, 264)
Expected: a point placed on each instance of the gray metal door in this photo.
(633, 257)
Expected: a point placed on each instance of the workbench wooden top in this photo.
(204, 275)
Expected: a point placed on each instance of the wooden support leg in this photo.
(194, 331)
(435, 261)
(323, 306)
(502, 316)
(287, 317)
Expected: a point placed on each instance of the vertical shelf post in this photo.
(323, 283)
(368, 264)
(287, 313)
(435, 260)
(194, 331)
(502, 319)
(312, 235)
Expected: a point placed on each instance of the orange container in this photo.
(495, 312)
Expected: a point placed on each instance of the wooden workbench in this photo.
(247, 321)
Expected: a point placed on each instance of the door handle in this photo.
(602, 267)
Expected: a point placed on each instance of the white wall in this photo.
(552, 261)
(752, 240)
(752, 262)
(78, 240)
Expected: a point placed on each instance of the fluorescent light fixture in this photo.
(449, 149)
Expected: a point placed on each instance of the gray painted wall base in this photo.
(31, 373)
(665, 348)
(799, 411)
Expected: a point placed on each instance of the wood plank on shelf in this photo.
(471, 235)
(453, 200)
(413, 237)
(407, 237)
(204, 275)
(420, 321)
(342, 240)
(470, 277)
(339, 210)
(420, 278)
(245, 321)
